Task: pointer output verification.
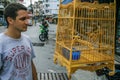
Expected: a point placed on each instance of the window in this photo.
(47, 5)
(47, 11)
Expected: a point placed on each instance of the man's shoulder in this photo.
(26, 37)
(1, 35)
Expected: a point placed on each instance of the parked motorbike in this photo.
(43, 36)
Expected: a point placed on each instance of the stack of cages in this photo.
(85, 35)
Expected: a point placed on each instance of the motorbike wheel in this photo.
(42, 37)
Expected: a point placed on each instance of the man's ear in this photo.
(10, 20)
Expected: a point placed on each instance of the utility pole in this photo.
(31, 9)
(31, 6)
(31, 2)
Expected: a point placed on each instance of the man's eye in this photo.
(24, 18)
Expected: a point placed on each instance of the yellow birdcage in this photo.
(85, 36)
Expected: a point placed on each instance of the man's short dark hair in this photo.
(12, 9)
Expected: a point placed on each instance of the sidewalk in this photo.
(44, 54)
(44, 57)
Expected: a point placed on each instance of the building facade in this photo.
(51, 7)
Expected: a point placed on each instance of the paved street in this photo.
(44, 55)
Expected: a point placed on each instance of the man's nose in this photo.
(27, 21)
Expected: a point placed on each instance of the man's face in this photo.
(21, 21)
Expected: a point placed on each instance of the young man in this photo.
(16, 51)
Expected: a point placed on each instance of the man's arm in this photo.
(34, 72)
